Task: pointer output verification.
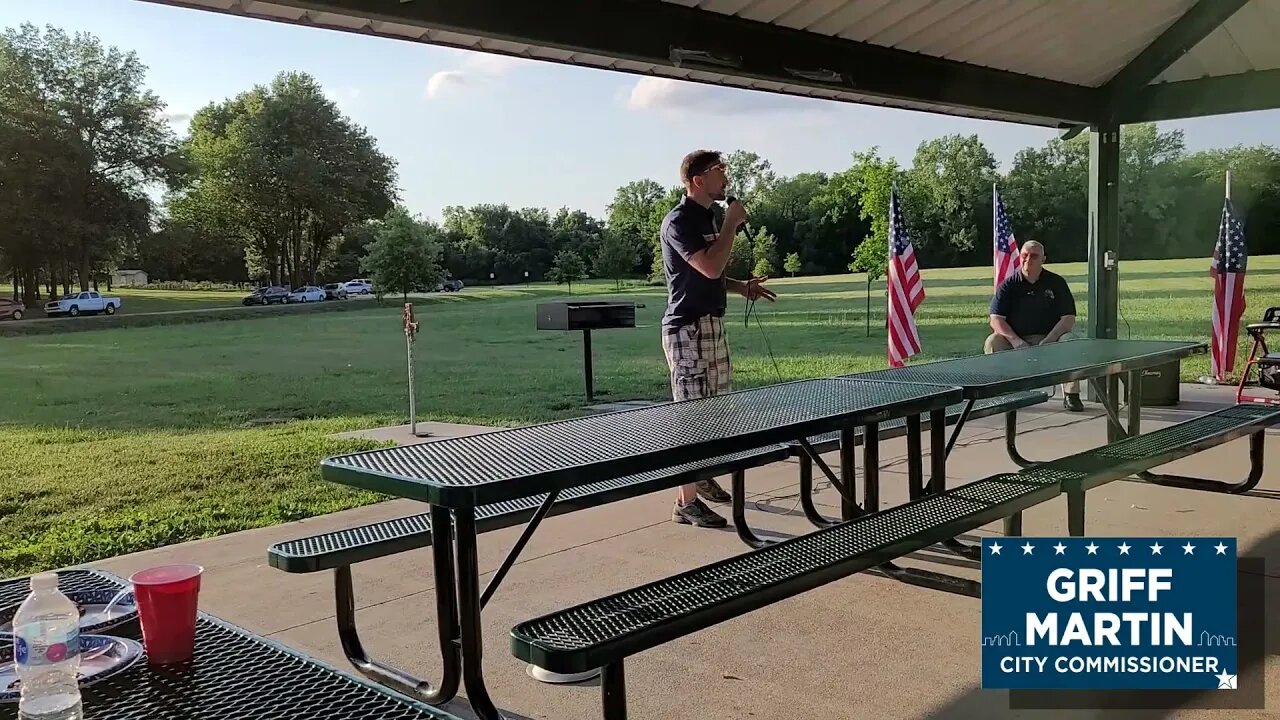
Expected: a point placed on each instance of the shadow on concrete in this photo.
(978, 704)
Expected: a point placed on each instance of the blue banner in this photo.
(1109, 613)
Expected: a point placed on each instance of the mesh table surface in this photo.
(234, 676)
(520, 462)
(1034, 367)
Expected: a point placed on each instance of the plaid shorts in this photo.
(698, 357)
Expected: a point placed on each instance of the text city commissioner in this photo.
(1109, 613)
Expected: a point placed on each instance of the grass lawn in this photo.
(120, 440)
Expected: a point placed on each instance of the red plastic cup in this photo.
(167, 598)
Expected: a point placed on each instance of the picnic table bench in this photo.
(235, 675)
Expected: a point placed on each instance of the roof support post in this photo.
(1104, 237)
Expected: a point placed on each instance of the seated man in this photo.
(1032, 307)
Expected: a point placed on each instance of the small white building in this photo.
(129, 278)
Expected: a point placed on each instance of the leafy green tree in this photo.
(741, 257)
(81, 143)
(615, 258)
(764, 249)
(282, 170)
(404, 256)
(792, 263)
(568, 266)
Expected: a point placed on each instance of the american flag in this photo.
(1006, 260)
(906, 289)
(1229, 260)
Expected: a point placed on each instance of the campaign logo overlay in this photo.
(1109, 613)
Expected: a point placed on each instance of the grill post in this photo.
(586, 361)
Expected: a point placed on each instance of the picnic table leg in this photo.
(848, 441)
(941, 416)
(472, 633)
(739, 493)
(938, 481)
(1011, 440)
(871, 467)
(937, 451)
(846, 491)
(446, 620)
(915, 462)
(806, 494)
(1075, 509)
(1135, 403)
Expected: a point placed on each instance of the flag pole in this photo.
(1212, 379)
(995, 232)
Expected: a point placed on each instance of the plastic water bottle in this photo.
(46, 633)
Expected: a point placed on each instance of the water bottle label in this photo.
(33, 648)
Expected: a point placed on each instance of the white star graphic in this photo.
(1222, 549)
(1027, 548)
(1093, 549)
(1124, 548)
(1188, 549)
(1059, 549)
(1226, 681)
(1155, 549)
(995, 548)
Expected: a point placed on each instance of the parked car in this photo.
(85, 302)
(452, 285)
(335, 291)
(306, 293)
(358, 287)
(11, 309)
(266, 296)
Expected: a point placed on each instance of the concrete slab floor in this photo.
(864, 647)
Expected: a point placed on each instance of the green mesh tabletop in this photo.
(520, 462)
(234, 676)
(983, 376)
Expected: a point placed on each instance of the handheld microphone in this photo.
(744, 226)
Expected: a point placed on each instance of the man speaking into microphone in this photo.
(695, 251)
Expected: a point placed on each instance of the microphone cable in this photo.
(750, 304)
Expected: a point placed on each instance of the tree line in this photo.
(276, 185)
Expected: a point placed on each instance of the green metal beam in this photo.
(1185, 33)
(654, 32)
(1104, 239)
(1243, 92)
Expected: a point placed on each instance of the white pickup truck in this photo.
(85, 302)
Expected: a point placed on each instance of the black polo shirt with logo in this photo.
(1033, 308)
(687, 229)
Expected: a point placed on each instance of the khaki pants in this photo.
(997, 343)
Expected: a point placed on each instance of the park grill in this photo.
(587, 315)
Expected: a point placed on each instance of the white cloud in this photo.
(476, 68)
(345, 97)
(443, 81)
(670, 96)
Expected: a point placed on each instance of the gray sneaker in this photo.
(697, 513)
(711, 490)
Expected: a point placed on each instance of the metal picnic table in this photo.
(235, 675)
(995, 374)
(456, 475)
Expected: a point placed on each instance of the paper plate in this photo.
(92, 604)
(102, 656)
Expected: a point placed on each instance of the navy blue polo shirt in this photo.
(1033, 308)
(687, 229)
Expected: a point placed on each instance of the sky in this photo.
(469, 128)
